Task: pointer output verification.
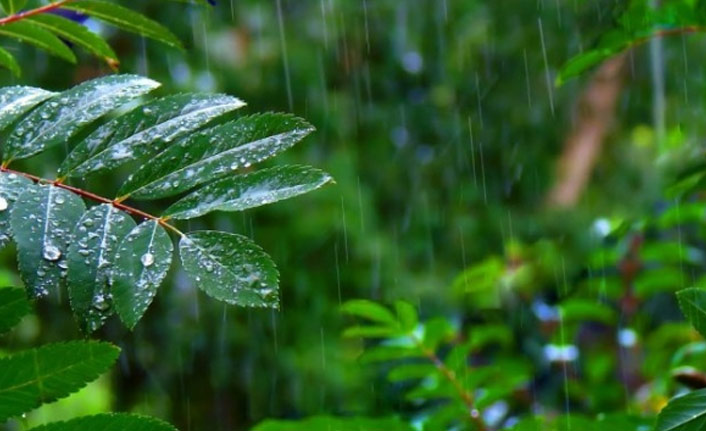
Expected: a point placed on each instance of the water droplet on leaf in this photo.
(147, 259)
(51, 253)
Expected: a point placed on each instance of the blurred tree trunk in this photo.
(596, 110)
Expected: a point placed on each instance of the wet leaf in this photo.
(42, 222)
(252, 190)
(91, 256)
(230, 268)
(143, 260)
(145, 131)
(50, 372)
(66, 114)
(11, 187)
(16, 101)
(214, 153)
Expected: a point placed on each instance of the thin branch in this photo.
(94, 197)
(465, 395)
(28, 13)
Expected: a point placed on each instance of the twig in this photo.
(94, 197)
(466, 396)
(26, 14)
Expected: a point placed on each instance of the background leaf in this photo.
(125, 19)
(77, 34)
(13, 307)
(50, 372)
(143, 260)
(108, 422)
(12, 6)
(9, 62)
(329, 423)
(33, 34)
(230, 268)
(693, 304)
(684, 413)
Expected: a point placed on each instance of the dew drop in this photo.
(3, 204)
(147, 259)
(51, 253)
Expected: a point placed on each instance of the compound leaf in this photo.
(45, 374)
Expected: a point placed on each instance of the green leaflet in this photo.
(143, 260)
(370, 310)
(11, 187)
(13, 307)
(50, 372)
(12, 6)
(77, 34)
(214, 153)
(685, 413)
(692, 302)
(125, 19)
(33, 34)
(145, 131)
(67, 113)
(330, 423)
(109, 422)
(91, 255)
(9, 62)
(16, 101)
(42, 222)
(252, 190)
(230, 268)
